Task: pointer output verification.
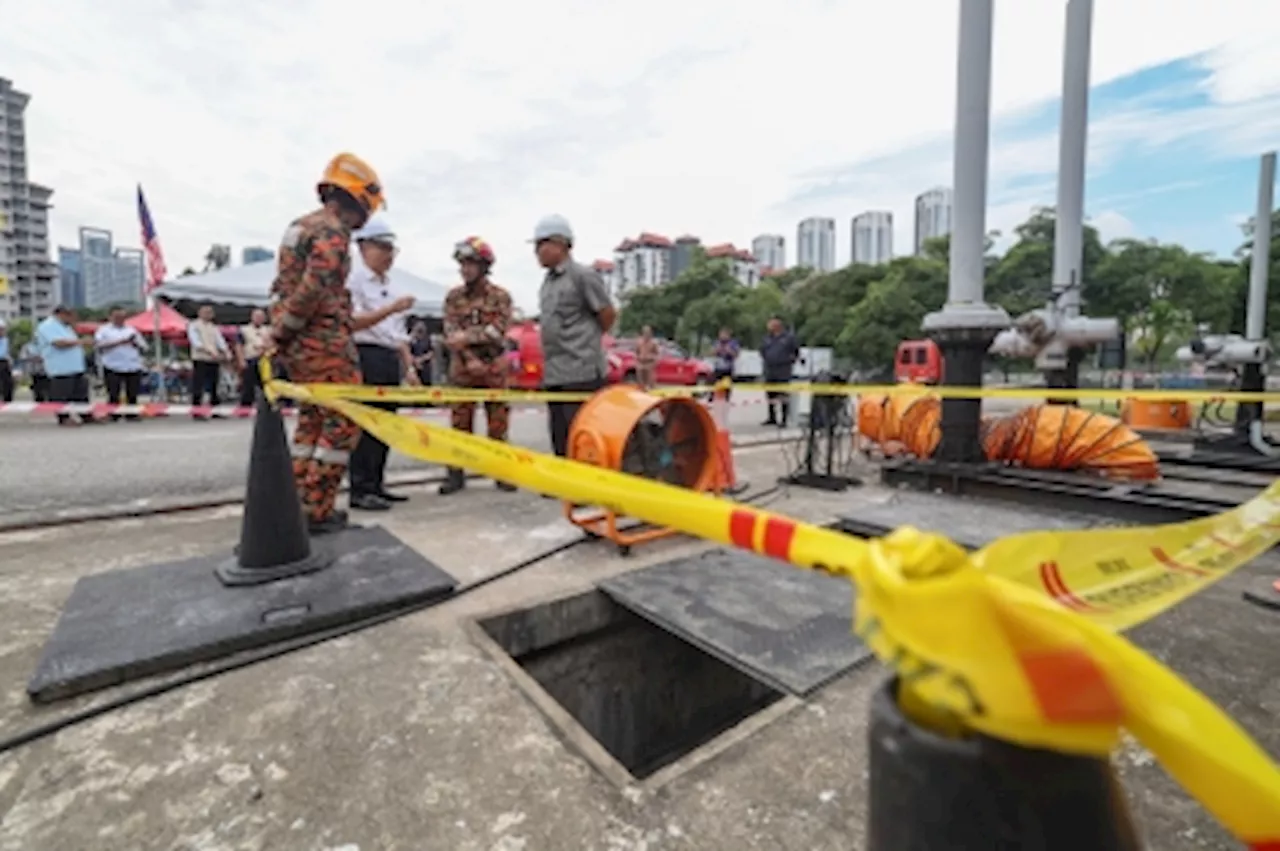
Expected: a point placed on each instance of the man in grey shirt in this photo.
(575, 313)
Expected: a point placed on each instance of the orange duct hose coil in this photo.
(1042, 437)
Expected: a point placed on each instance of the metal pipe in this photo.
(973, 112)
(1073, 132)
(1255, 320)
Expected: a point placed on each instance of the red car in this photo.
(524, 357)
(524, 360)
(674, 366)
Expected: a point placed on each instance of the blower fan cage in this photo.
(667, 440)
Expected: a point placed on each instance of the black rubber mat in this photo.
(127, 624)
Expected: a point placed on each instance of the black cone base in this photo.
(274, 543)
(123, 625)
(1265, 593)
(929, 793)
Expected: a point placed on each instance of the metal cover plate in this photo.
(126, 624)
(789, 628)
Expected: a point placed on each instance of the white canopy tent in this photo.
(250, 286)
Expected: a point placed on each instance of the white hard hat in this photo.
(552, 226)
(375, 230)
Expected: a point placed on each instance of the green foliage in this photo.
(20, 333)
(1160, 292)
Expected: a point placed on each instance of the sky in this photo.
(717, 118)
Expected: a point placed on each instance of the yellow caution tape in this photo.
(447, 395)
(1017, 641)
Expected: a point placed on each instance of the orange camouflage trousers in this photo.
(323, 440)
(497, 415)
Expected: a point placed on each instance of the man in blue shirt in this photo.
(6, 365)
(63, 356)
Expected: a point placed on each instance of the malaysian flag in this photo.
(156, 271)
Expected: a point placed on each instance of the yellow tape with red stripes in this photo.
(1017, 641)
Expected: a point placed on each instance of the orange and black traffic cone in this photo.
(727, 478)
(274, 543)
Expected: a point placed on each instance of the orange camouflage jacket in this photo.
(312, 306)
(482, 317)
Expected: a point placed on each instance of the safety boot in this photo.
(507, 487)
(454, 482)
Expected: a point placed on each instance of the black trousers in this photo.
(560, 414)
(250, 381)
(122, 382)
(779, 403)
(6, 381)
(380, 367)
(720, 375)
(70, 388)
(204, 379)
(40, 388)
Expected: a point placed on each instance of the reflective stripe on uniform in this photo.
(293, 321)
(302, 450)
(328, 455)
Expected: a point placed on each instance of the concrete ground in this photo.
(410, 737)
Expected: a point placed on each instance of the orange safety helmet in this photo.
(474, 248)
(355, 177)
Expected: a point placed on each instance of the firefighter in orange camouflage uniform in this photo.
(312, 324)
(476, 316)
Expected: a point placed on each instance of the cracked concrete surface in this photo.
(408, 737)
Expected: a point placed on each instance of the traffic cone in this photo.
(973, 793)
(274, 543)
(727, 479)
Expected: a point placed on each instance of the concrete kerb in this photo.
(22, 521)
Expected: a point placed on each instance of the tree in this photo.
(20, 333)
(892, 311)
(663, 307)
(818, 305)
(1023, 279)
(785, 279)
(1158, 325)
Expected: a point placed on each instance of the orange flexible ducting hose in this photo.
(1042, 437)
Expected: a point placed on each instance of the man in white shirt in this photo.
(120, 348)
(382, 340)
(209, 351)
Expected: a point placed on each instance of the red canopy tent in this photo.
(173, 325)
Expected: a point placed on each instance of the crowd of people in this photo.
(334, 320)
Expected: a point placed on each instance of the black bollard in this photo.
(931, 793)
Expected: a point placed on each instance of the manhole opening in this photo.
(648, 697)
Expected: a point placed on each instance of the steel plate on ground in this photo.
(789, 628)
(971, 523)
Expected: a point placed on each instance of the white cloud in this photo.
(481, 117)
(1112, 225)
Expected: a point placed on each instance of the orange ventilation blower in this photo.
(670, 440)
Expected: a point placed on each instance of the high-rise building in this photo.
(256, 254)
(816, 244)
(933, 216)
(28, 278)
(770, 250)
(645, 261)
(104, 275)
(71, 282)
(871, 237)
